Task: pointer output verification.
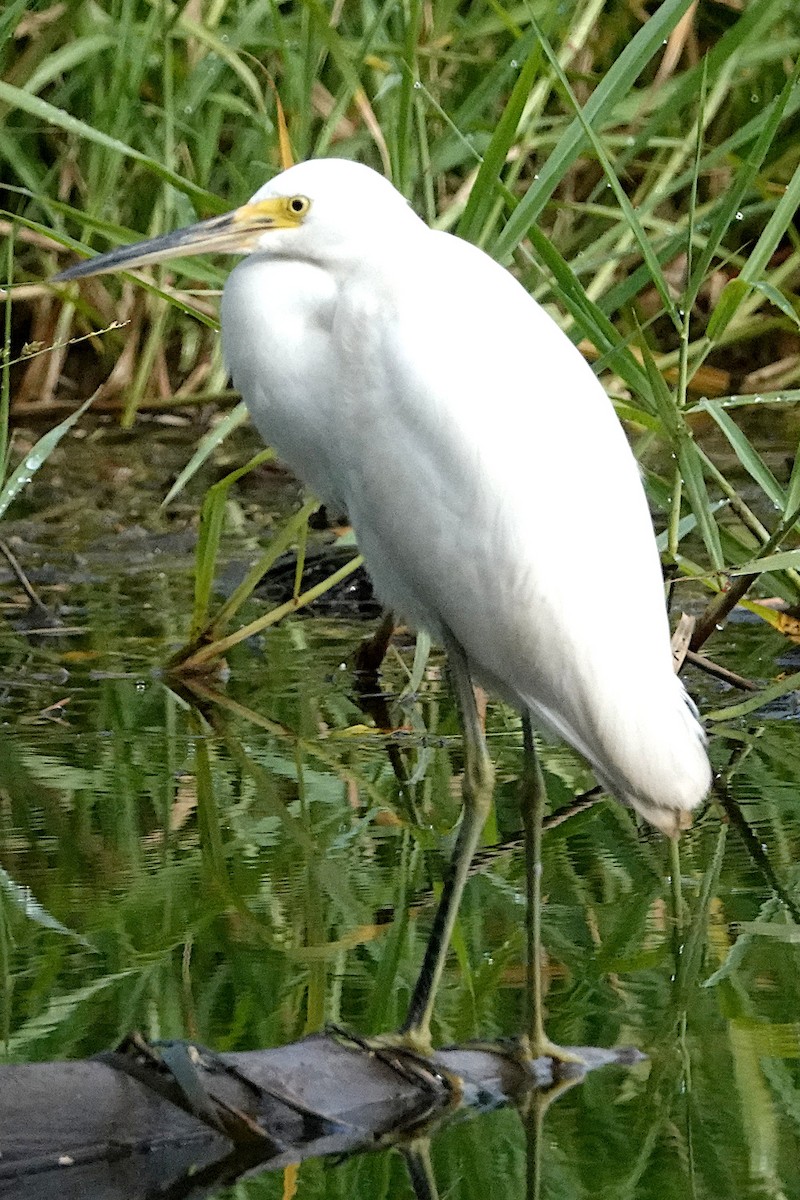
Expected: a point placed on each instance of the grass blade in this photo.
(17, 98)
(614, 86)
(35, 458)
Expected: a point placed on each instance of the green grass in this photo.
(641, 176)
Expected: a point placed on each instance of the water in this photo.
(240, 867)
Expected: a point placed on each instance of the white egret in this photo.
(413, 383)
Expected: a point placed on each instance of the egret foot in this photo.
(549, 1070)
(543, 1062)
(541, 1046)
(438, 1091)
(410, 1056)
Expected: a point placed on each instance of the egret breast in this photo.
(277, 317)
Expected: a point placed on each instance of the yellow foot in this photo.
(560, 1056)
(551, 1070)
(412, 1056)
(527, 1051)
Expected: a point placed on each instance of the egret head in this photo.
(332, 207)
(321, 210)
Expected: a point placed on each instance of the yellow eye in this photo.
(298, 206)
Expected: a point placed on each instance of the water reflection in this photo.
(244, 871)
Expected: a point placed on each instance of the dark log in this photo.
(121, 1127)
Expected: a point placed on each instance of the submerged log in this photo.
(174, 1119)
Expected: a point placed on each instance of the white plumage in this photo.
(413, 383)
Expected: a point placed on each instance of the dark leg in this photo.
(372, 651)
(420, 1170)
(534, 802)
(477, 796)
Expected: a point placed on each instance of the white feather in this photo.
(413, 382)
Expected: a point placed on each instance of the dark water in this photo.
(245, 873)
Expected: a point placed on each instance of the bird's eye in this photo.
(299, 205)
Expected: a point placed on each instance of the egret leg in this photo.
(372, 650)
(372, 700)
(533, 805)
(533, 1112)
(533, 1120)
(420, 1169)
(477, 797)
(534, 802)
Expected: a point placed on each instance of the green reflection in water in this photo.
(246, 870)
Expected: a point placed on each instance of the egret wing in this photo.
(494, 494)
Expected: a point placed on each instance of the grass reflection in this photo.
(238, 864)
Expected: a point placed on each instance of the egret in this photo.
(413, 383)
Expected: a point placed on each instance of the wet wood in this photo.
(77, 1129)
